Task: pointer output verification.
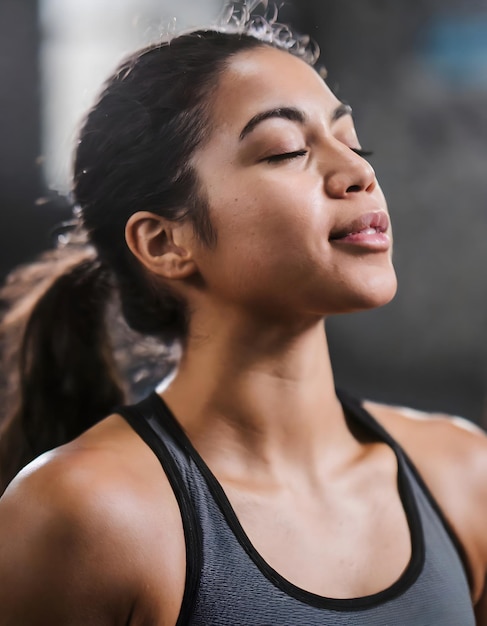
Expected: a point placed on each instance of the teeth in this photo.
(369, 231)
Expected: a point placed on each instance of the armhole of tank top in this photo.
(353, 404)
(191, 527)
(450, 531)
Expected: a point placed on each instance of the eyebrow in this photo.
(289, 113)
(342, 109)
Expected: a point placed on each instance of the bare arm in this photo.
(481, 608)
(451, 455)
(55, 564)
(481, 534)
(92, 534)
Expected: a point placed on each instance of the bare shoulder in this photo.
(72, 521)
(438, 434)
(451, 455)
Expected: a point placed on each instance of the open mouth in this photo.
(366, 225)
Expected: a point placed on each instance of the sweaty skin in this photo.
(91, 533)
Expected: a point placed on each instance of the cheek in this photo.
(270, 233)
(268, 215)
(265, 253)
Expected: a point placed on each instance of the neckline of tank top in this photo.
(354, 411)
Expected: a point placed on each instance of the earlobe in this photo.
(162, 246)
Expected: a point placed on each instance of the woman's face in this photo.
(301, 221)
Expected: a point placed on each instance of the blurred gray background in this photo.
(416, 76)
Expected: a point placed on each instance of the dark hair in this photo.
(135, 148)
(133, 154)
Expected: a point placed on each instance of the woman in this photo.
(224, 190)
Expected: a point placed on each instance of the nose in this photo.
(349, 173)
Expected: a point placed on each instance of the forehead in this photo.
(263, 78)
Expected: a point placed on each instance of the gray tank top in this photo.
(228, 583)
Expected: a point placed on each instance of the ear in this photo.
(164, 247)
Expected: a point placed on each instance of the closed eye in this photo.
(363, 153)
(286, 156)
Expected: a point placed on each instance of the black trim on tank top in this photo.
(360, 412)
(134, 415)
(405, 580)
(450, 531)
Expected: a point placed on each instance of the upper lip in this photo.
(375, 219)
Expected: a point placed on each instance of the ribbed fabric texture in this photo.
(229, 584)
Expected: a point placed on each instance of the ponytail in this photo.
(59, 371)
(134, 153)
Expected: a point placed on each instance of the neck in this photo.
(268, 393)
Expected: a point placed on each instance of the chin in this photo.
(367, 290)
(376, 292)
(363, 296)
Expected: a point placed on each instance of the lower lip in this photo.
(377, 242)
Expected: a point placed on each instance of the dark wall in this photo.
(24, 221)
(426, 121)
(416, 76)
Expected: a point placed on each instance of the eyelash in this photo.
(298, 153)
(286, 156)
(362, 153)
